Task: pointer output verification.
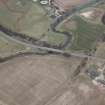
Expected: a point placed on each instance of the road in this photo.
(55, 50)
(58, 21)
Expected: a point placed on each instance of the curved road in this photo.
(67, 14)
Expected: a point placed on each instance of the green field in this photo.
(86, 35)
(36, 22)
(31, 19)
(25, 17)
(11, 11)
(55, 38)
(8, 47)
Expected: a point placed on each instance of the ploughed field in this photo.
(46, 80)
(34, 80)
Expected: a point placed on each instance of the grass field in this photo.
(86, 34)
(36, 22)
(24, 17)
(55, 38)
(100, 50)
(7, 18)
(11, 11)
(8, 47)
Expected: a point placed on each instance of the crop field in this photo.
(35, 79)
(47, 79)
(102, 5)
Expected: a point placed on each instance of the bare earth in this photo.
(33, 80)
(46, 80)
